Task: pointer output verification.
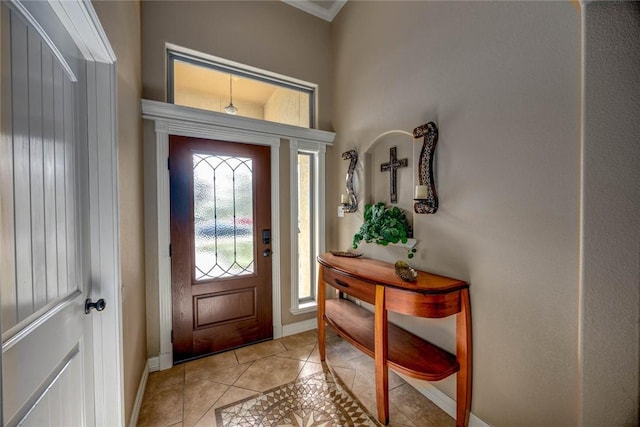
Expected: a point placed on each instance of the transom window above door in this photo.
(210, 83)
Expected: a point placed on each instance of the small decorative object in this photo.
(349, 201)
(426, 197)
(405, 271)
(383, 225)
(346, 254)
(392, 167)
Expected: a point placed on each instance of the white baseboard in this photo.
(153, 364)
(441, 400)
(135, 412)
(296, 328)
(165, 361)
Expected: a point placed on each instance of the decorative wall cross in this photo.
(392, 166)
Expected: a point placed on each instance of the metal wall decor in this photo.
(427, 203)
(392, 167)
(352, 204)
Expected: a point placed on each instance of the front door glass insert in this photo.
(222, 216)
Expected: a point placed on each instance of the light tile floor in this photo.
(188, 394)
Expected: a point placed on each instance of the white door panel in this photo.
(59, 339)
(47, 344)
(53, 409)
(43, 149)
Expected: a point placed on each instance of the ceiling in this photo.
(325, 9)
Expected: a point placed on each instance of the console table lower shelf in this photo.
(391, 346)
(407, 353)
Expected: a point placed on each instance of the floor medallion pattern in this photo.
(316, 400)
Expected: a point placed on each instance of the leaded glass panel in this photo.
(222, 216)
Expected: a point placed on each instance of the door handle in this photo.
(266, 253)
(98, 305)
(341, 283)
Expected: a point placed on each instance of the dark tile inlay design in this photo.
(189, 394)
(318, 399)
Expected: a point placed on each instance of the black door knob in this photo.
(266, 253)
(98, 305)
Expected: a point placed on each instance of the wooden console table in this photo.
(375, 282)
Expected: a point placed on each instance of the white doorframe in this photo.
(83, 25)
(170, 119)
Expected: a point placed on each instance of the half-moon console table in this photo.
(375, 282)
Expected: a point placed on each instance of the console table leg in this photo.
(380, 350)
(321, 309)
(463, 354)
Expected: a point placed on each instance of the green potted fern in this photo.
(384, 225)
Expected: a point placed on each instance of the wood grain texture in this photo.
(374, 271)
(351, 285)
(423, 305)
(464, 348)
(407, 353)
(200, 325)
(390, 345)
(381, 355)
(321, 310)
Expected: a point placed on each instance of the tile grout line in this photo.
(305, 362)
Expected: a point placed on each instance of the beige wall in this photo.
(610, 268)
(536, 172)
(284, 40)
(502, 80)
(266, 34)
(121, 21)
(555, 300)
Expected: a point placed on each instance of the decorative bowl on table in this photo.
(346, 254)
(406, 272)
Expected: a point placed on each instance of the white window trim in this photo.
(249, 70)
(318, 151)
(171, 119)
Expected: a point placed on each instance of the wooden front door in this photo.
(220, 245)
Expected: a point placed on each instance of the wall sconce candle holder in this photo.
(426, 197)
(350, 201)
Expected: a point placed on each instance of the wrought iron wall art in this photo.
(351, 204)
(392, 167)
(426, 202)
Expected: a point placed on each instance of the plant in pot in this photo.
(383, 225)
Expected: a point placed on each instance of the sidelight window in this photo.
(306, 226)
(307, 232)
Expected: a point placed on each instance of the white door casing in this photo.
(170, 119)
(55, 356)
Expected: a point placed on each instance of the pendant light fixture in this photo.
(230, 109)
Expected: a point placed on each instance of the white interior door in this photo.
(45, 271)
